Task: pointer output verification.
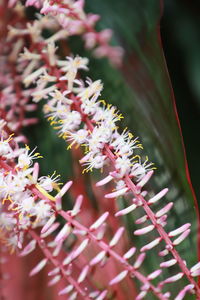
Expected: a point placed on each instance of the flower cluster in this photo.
(24, 209)
(70, 15)
(86, 121)
(74, 110)
(30, 206)
(27, 205)
(14, 101)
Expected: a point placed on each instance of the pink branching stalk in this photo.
(81, 119)
(14, 101)
(31, 206)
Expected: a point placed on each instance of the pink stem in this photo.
(162, 233)
(56, 263)
(159, 228)
(149, 213)
(112, 253)
(100, 243)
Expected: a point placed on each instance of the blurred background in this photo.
(180, 31)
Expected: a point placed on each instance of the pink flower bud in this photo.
(195, 273)
(54, 280)
(105, 35)
(145, 179)
(139, 261)
(38, 267)
(181, 238)
(164, 210)
(66, 290)
(51, 229)
(195, 267)
(144, 230)
(104, 181)
(151, 245)
(64, 232)
(48, 224)
(102, 295)
(64, 189)
(119, 277)
(129, 253)
(73, 296)
(99, 221)
(126, 210)
(35, 172)
(179, 230)
(183, 292)
(145, 287)
(169, 263)
(174, 278)
(98, 258)
(167, 294)
(29, 248)
(141, 295)
(57, 248)
(157, 197)
(74, 254)
(154, 274)
(83, 274)
(94, 294)
(162, 220)
(116, 193)
(116, 237)
(77, 206)
(54, 271)
(141, 220)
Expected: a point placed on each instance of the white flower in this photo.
(90, 107)
(33, 76)
(97, 161)
(71, 123)
(108, 115)
(27, 55)
(26, 205)
(127, 147)
(56, 110)
(48, 182)
(120, 185)
(123, 165)
(45, 77)
(25, 159)
(71, 67)
(94, 89)
(98, 138)
(7, 221)
(41, 92)
(57, 95)
(5, 149)
(74, 63)
(42, 210)
(14, 241)
(139, 169)
(78, 137)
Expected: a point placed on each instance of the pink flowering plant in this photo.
(85, 250)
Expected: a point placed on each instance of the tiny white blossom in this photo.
(48, 182)
(42, 210)
(94, 89)
(123, 165)
(25, 159)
